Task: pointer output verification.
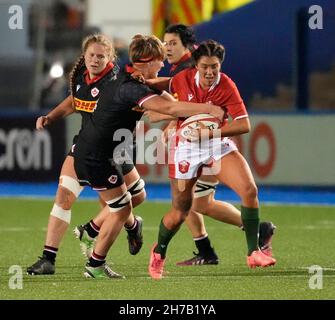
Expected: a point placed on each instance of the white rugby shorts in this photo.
(188, 159)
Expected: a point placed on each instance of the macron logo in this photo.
(190, 96)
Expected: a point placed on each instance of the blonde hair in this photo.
(146, 48)
(102, 40)
(94, 38)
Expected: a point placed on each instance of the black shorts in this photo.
(74, 141)
(98, 174)
(125, 167)
(126, 156)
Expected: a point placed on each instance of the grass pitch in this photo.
(304, 237)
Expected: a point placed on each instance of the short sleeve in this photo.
(234, 103)
(133, 92)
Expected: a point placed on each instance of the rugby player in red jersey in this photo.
(179, 42)
(205, 83)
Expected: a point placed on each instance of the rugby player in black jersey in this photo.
(91, 72)
(115, 115)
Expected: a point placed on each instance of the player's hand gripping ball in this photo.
(190, 128)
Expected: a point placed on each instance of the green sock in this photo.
(164, 237)
(250, 220)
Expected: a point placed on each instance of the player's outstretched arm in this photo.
(155, 116)
(160, 83)
(181, 108)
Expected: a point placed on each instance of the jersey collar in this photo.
(216, 82)
(129, 68)
(185, 57)
(89, 81)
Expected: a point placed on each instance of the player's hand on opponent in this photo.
(42, 122)
(137, 75)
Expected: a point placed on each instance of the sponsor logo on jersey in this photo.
(183, 166)
(78, 87)
(94, 92)
(190, 96)
(112, 179)
(83, 105)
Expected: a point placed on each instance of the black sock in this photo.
(92, 229)
(96, 260)
(204, 247)
(50, 253)
(133, 227)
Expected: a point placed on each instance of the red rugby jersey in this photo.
(222, 93)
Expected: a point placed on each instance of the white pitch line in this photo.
(268, 203)
(322, 268)
(14, 229)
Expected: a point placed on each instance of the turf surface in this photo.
(304, 237)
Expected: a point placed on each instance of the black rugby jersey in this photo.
(87, 91)
(115, 116)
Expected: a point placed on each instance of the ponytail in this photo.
(74, 72)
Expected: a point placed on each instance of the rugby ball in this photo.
(198, 121)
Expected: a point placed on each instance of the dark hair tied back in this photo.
(209, 48)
